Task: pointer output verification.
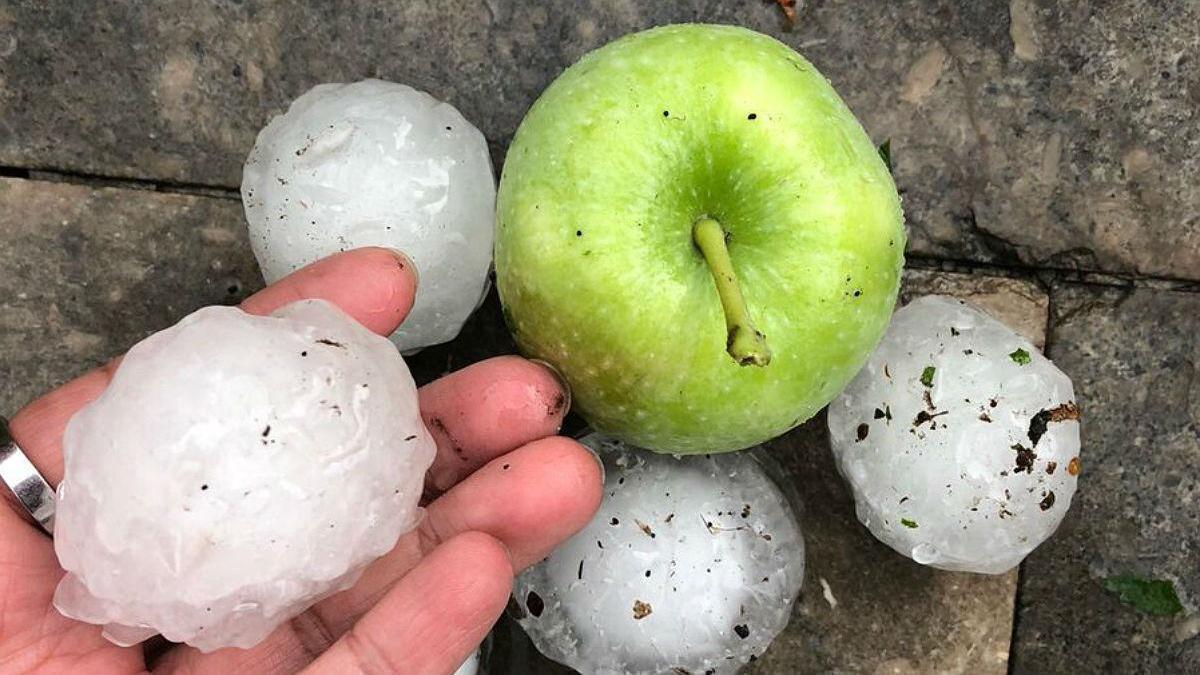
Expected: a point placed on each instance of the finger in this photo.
(434, 617)
(486, 410)
(531, 499)
(38, 427)
(31, 572)
(374, 285)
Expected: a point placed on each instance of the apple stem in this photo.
(745, 344)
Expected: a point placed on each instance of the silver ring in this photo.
(31, 492)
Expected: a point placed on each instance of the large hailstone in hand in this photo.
(959, 440)
(237, 469)
(691, 564)
(377, 164)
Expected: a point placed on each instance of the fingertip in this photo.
(574, 472)
(532, 389)
(389, 294)
(521, 382)
(375, 285)
(551, 489)
(488, 409)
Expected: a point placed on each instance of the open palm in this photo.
(502, 492)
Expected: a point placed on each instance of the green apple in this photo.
(698, 233)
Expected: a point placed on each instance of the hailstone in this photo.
(959, 440)
(236, 470)
(377, 163)
(692, 564)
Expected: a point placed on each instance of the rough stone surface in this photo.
(863, 607)
(1023, 132)
(85, 273)
(1136, 364)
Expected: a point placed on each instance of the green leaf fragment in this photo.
(885, 153)
(1151, 596)
(1020, 357)
(927, 376)
(911, 524)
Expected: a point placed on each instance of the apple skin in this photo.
(595, 263)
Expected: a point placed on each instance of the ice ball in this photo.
(377, 163)
(959, 440)
(236, 470)
(692, 564)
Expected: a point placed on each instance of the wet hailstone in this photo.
(376, 163)
(237, 469)
(691, 564)
(959, 440)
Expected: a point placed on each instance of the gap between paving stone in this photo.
(1013, 139)
(85, 272)
(1133, 357)
(100, 181)
(918, 261)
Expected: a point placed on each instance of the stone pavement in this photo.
(1135, 359)
(1048, 157)
(1034, 133)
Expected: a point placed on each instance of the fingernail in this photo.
(596, 456)
(563, 386)
(407, 263)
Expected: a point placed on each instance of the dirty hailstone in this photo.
(691, 563)
(958, 438)
(377, 164)
(237, 469)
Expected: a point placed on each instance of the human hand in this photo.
(502, 492)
